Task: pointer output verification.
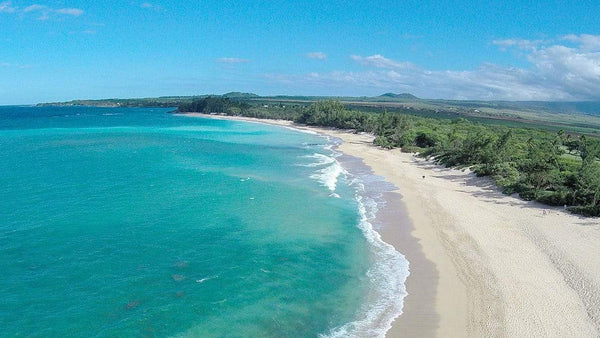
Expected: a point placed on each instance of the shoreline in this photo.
(482, 263)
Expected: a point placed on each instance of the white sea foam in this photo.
(200, 281)
(329, 175)
(319, 160)
(387, 277)
(389, 270)
(302, 130)
(331, 169)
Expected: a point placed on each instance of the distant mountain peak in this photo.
(239, 95)
(399, 96)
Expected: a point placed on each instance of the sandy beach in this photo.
(483, 264)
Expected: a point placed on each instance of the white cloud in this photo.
(587, 42)
(149, 5)
(379, 61)
(34, 8)
(556, 72)
(316, 55)
(69, 11)
(46, 12)
(519, 43)
(233, 60)
(6, 7)
(14, 65)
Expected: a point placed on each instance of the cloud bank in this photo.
(44, 11)
(565, 68)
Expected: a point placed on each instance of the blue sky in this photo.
(497, 50)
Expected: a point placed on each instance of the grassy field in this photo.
(544, 115)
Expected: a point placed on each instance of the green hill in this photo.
(406, 96)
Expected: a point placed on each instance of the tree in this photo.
(589, 151)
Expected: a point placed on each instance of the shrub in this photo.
(411, 149)
(556, 198)
(383, 142)
(588, 210)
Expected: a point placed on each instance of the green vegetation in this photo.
(230, 106)
(167, 102)
(215, 105)
(574, 117)
(552, 168)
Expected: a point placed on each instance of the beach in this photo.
(482, 263)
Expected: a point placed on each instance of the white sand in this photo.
(505, 267)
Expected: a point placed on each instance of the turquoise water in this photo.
(129, 222)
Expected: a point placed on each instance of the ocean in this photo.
(136, 222)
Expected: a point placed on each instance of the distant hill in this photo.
(239, 95)
(400, 96)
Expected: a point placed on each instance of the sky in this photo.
(486, 50)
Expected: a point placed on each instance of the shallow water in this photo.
(127, 221)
